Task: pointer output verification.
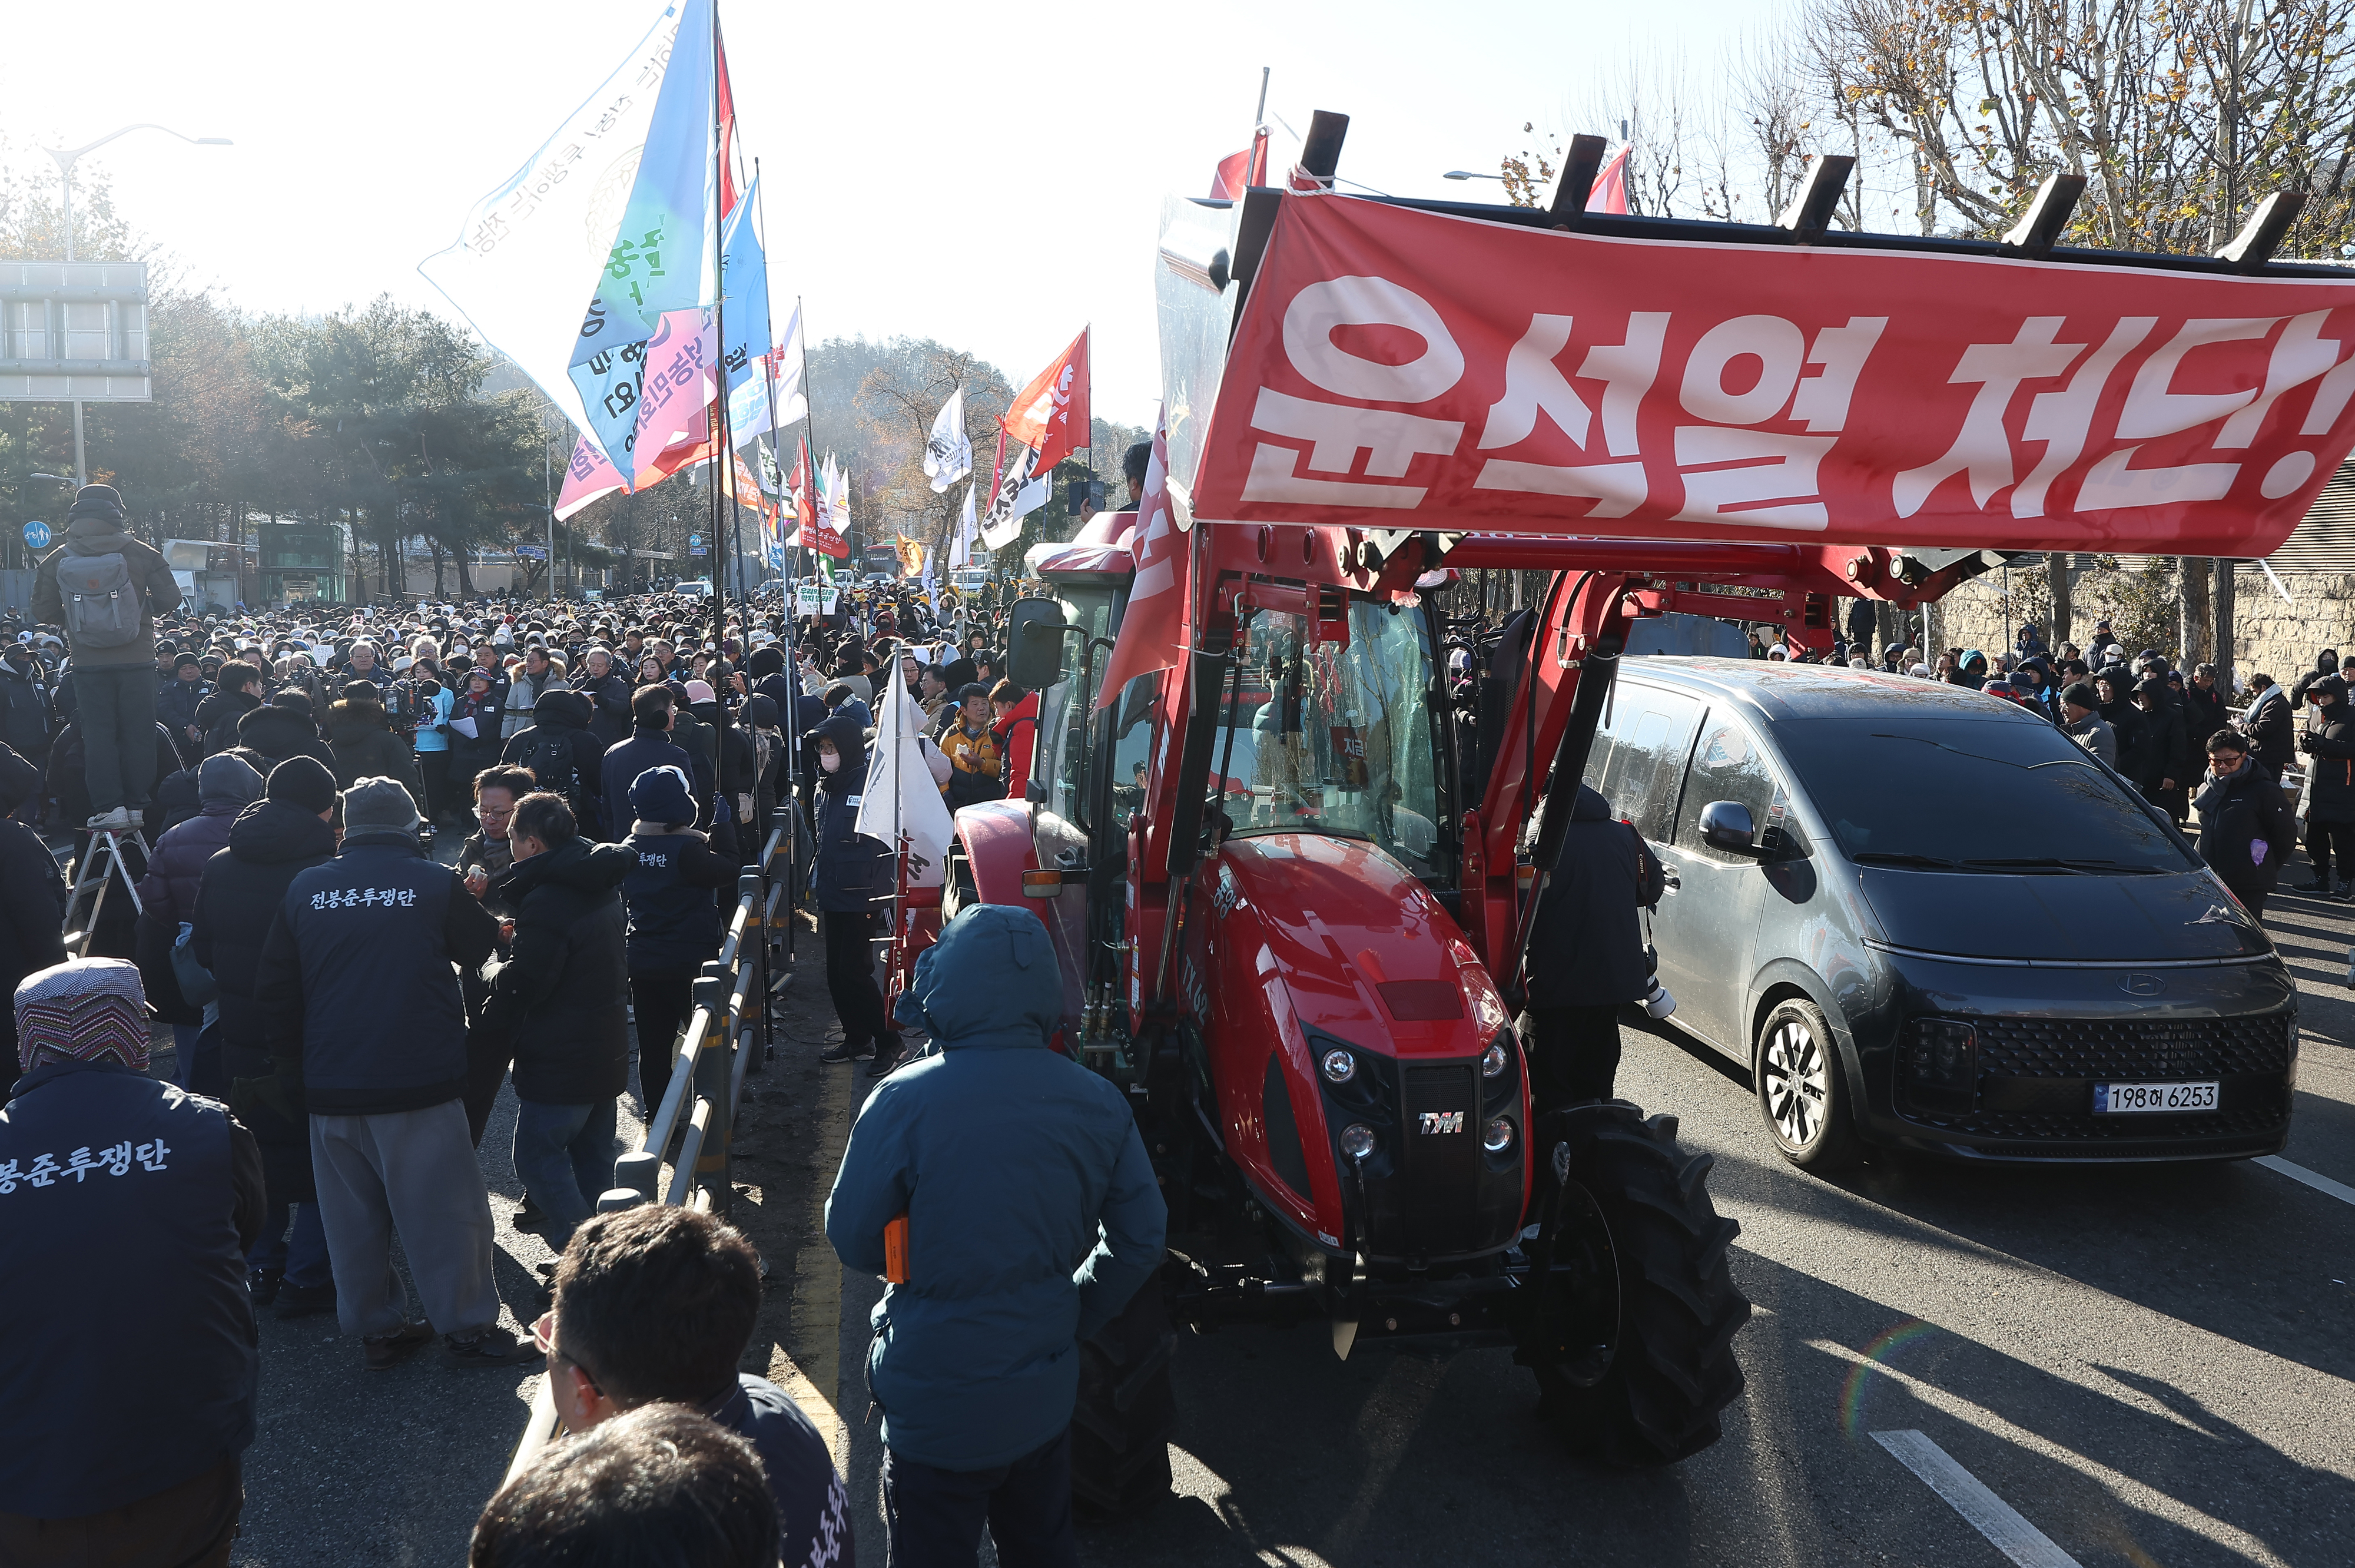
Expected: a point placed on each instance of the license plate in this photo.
(2129, 1099)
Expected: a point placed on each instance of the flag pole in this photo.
(809, 441)
(789, 721)
(716, 417)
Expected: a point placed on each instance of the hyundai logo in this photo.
(2142, 985)
(1443, 1121)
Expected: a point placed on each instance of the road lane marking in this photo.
(2320, 1183)
(2002, 1524)
(2133, 1494)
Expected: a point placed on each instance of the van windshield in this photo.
(1971, 795)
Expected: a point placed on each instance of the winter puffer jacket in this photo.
(563, 998)
(1586, 948)
(2330, 760)
(237, 898)
(218, 716)
(279, 733)
(1033, 1213)
(269, 844)
(225, 786)
(561, 724)
(178, 704)
(363, 743)
(674, 916)
(611, 699)
(850, 872)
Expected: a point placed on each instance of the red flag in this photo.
(808, 533)
(797, 491)
(1052, 413)
(1153, 628)
(1238, 172)
(694, 445)
(728, 192)
(1609, 193)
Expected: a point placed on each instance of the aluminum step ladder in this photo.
(101, 867)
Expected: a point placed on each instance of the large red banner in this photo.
(1402, 369)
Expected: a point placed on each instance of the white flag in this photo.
(948, 455)
(900, 796)
(749, 403)
(1017, 495)
(529, 250)
(961, 550)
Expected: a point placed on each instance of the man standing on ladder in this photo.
(105, 588)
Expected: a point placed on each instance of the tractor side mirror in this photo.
(1034, 643)
(1725, 825)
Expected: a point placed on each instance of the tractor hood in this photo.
(1364, 951)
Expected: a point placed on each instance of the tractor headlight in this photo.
(1493, 1059)
(1498, 1134)
(1357, 1140)
(1338, 1066)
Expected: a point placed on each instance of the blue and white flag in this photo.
(761, 376)
(529, 250)
(665, 255)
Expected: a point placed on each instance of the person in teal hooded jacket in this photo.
(1009, 1161)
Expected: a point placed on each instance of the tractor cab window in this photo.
(1064, 708)
(1337, 738)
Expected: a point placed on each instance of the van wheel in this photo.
(1802, 1094)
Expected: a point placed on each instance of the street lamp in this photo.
(1468, 174)
(66, 157)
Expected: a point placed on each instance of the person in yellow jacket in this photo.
(972, 752)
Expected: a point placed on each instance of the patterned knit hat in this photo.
(85, 1010)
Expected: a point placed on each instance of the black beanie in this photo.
(2080, 694)
(765, 662)
(304, 782)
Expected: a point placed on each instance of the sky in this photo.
(990, 178)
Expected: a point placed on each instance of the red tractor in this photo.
(1291, 868)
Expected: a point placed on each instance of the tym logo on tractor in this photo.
(1291, 872)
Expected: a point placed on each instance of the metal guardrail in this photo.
(729, 1026)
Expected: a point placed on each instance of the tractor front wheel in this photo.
(1127, 1410)
(1630, 1318)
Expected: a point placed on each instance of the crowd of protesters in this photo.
(348, 1008)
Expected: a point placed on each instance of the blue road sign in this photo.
(36, 534)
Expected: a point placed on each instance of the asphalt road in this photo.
(2135, 1366)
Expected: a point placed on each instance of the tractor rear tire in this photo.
(1127, 1410)
(1642, 1386)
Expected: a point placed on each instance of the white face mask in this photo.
(830, 761)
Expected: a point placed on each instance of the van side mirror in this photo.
(1034, 643)
(1725, 825)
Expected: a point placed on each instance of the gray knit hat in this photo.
(378, 806)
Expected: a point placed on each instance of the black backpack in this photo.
(548, 755)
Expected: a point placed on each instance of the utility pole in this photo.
(65, 158)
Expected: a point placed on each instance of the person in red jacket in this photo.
(1016, 729)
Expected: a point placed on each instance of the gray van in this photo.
(1924, 917)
